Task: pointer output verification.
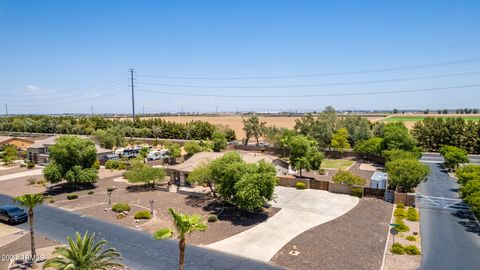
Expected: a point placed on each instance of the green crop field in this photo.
(406, 118)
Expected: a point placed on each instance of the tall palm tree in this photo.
(184, 224)
(30, 201)
(84, 254)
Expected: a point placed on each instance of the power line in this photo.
(316, 84)
(377, 70)
(316, 95)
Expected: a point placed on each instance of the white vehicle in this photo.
(157, 155)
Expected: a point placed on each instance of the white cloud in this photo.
(33, 88)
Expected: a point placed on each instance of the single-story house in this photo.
(38, 151)
(179, 172)
(19, 142)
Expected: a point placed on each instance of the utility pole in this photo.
(143, 109)
(6, 109)
(92, 110)
(133, 95)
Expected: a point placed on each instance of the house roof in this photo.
(6, 138)
(51, 141)
(204, 157)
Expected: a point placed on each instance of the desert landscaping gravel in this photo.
(355, 240)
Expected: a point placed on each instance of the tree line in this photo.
(145, 128)
(434, 132)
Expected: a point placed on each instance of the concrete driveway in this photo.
(301, 210)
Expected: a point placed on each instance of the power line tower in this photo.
(133, 95)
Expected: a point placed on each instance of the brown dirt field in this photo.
(235, 122)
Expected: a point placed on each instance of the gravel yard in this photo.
(355, 240)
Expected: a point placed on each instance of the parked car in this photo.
(264, 144)
(131, 152)
(157, 155)
(12, 214)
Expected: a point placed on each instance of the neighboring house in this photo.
(20, 143)
(38, 151)
(179, 173)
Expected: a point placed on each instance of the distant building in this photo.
(179, 173)
(38, 151)
(20, 143)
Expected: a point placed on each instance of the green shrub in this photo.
(96, 165)
(411, 250)
(401, 205)
(397, 249)
(402, 227)
(121, 207)
(300, 185)
(399, 212)
(357, 192)
(115, 165)
(91, 192)
(412, 214)
(72, 196)
(143, 214)
(51, 201)
(321, 171)
(110, 189)
(212, 218)
(30, 165)
(411, 238)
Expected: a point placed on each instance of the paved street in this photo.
(138, 248)
(450, 235)
(437, 158)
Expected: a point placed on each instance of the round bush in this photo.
(401, 205)
(91, 192)
(51, 201)
(143, 214)
(357, 192)
(411, 250)
(72, 196)
(412, 214)
(121, 207)
(300, 185)
(397, 249)
(30, 165)
(212, 218)
(411, 238)
(399, 212)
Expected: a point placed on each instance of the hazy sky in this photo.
(65, 56)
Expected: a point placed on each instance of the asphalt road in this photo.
(437, 158)
(450, 235)
(138, 248)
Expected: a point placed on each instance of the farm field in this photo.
(416, 118)
(235, 122)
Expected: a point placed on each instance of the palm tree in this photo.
(30, 201)
(84, 254)
(184, 224)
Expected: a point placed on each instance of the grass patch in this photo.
(339, 164)
(416, 118)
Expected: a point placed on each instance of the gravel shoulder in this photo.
(355, 240)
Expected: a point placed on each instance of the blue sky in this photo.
(66, 56)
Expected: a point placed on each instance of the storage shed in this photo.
(379, 180)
